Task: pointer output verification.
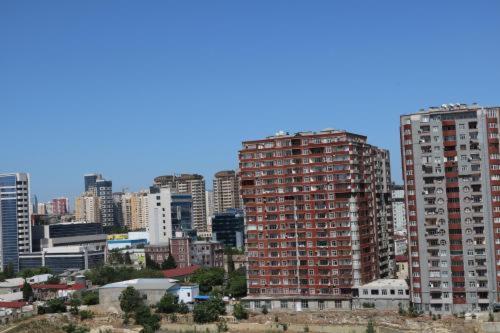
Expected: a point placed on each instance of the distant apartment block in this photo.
(189, 184)
(87, 208)
(60, 206)
(226, 191)
(317, 214)
(451, 168)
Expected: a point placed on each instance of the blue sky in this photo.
(136, 89)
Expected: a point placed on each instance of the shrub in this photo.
(90, 298)
(86, 314)
(264, 310)
(239, 312)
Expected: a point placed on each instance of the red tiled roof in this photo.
(12, 305)
(176, 272)
(50, 286)
(78, 286)
(401, 258)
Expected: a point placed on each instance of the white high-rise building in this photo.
(15, 212)
(160, 217)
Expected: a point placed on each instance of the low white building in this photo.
(187, 293)
(11, 285)
(383, 294)
(38, 278)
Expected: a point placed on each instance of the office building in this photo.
(90, 181)
(398, 208)
(117, 209)
(87, 208)
(62, 246)
(60, 206)
(451, 169)
(189, 184)
(181, 208)
(226, 191)
(60, 259)
(90, 235)
(228, 228)
(14, 218)
(104, 191)
(317, 215)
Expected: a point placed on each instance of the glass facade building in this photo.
(14, 218)
(229, 228)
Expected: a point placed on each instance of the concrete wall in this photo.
(109, 297)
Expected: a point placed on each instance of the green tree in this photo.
(27, 291)
(8, 271)
(29, 272)
(130, 301)
(126, 259)
(183, 308)
(151, 264)
(86, 314)
(169, 263)
(209, 311)
(55, 305)
(115, 257)
(54, 279)
(74, 303)
(369, 327)
(143, 317)
(207, 278)
(72, 328)
(167, 304)
(237, 284)
(90, 298)
(239, 312)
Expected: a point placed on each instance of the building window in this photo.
(305, 304)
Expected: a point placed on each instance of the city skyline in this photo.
(136, 95)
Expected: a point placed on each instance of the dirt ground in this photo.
(313, 322)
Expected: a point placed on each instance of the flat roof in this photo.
(385, 283)
(143, 284)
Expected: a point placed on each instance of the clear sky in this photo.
(135, 89)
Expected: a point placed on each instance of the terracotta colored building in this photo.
(318, 218)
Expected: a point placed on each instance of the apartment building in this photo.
(317, 216)
(87, 208)
(226, 191)
(398, 208)
(60, 206)
(189, 184)
(451, 168)
(14, 218)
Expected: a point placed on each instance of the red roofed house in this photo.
(180, 273)
(14, 310)
(45, 292)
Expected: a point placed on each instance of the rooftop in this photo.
(143, 284)
(176, 272)
(12, 305)
(386, 283)
(10, 283)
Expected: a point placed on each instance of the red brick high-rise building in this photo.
(60, 206)
(317, 218)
